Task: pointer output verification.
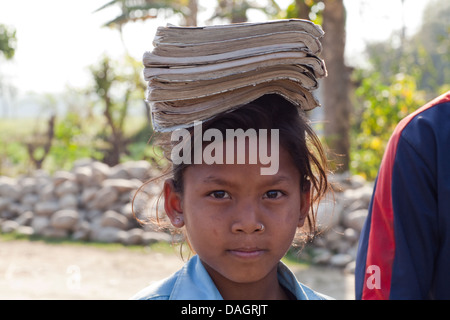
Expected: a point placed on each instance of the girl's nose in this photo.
(247, 220)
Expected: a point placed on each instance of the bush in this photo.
(378, 109)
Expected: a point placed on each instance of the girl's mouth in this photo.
(247, 253)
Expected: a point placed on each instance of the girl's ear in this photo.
(172, 204)
(305, 202)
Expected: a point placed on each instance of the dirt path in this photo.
(37, 270)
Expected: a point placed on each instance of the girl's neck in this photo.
(265, 289)
(254, 292)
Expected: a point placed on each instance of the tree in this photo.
(305, 9)
(39, 148)
(235, 11)
(424, 55)
(335, 98)
(135, 10)
(401, 77)
(116, 87)
(7, 41)
(378, 109)
(336, 87)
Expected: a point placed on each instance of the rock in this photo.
(134, 236)
(46, 193)
(138, 169)
(353, 251)
(363, 194)
(355, 219)
(62, 176)
(108, 234)
(342, 246)
(64, 219)
(118, 172)
(4, 204)
(93, 215)
(333, 238)
(351, 235)
(82, 231)
(321, 256)
(30, 199)
(340, 260)
(328, 214)
(88, 194)
(68, 201)
(100, 171)
(113, 219)
(104, 198)
(19, 208)
(67, 187)
(83, 175)
(357, 182)
(355, 205)
(27, 185)
(350, 267)
(10, 189)
(25, 230)
(84, 162)
(25, 218)
(340, 181)
(150, 237)
(50, 232)
(39, 224)
(9, 226)
(121, 185)
(127, 211)
(46, 208)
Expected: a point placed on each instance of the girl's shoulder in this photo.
(191, 282)
(310, 294)
(300, 291)
(159, 290)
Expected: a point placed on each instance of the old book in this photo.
(176, 34)
(195, 73)
(170, 115)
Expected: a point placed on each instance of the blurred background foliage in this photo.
(108, 120)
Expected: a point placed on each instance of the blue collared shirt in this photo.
(192, 282)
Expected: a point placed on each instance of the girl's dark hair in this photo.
(295, 135)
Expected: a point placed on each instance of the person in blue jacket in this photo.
(404, 249)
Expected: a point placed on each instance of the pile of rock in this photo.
(91, 202)
(341, 220)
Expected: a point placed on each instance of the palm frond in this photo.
(106, 5)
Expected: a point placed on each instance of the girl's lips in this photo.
(247, 253)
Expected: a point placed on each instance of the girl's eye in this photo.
(219, 194)
(273, 194)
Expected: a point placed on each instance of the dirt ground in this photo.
(38, 270)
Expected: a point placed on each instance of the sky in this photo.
(58, 39)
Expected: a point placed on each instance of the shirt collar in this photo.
(194, 283)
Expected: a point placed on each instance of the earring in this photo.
(178, 220)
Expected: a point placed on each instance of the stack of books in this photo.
(194, 73)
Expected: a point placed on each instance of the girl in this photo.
(238, 222)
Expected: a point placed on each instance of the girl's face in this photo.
(223, 207)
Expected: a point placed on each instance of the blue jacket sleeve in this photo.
(417, 208)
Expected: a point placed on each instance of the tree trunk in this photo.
(45, 144)
(191, 19)
(302, 9)
(336, 102)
